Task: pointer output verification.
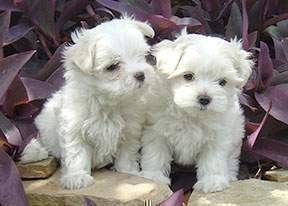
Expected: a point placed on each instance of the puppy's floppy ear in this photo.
(166, 55)
(241, 60)
(81, 53)
(144, 27)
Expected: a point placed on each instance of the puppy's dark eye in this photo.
(189, 77)
(150, 59)
(113, 67)
(222, 82)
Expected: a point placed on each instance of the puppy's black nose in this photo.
(139, 76)
(204, 99)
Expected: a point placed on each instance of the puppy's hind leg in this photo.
(33, 152)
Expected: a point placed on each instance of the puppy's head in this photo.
(204, 72)
(112, 56)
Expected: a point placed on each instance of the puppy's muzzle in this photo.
(140, 76)
(204, 100)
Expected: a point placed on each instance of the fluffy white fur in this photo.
(209, 136)
(96, 118)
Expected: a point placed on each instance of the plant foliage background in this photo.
(33, 32)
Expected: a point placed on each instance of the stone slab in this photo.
(251, 192)
(110, 188)
(278, 175)
(38, 170)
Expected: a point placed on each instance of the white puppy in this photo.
(96, 117)
(203, 123)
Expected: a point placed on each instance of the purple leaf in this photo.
(279, 97)
(71, 8)
(162, 7)
(51, 65)
(42, 15)
(9, 68)
(143, 5)
(57, 78)
(245, 25)
(234, 26)
(37, 89)
(249, 102)
(8, 5)
(122, 8)
(89, 202)
(4, 26)
(280, 78)
(27, 130)
(10, 131)
(252, 38)
(265, 66)
(15, 95)
(25, 111)
(176, 199)
(281, 50)
(11, 188)
(251, 139)
(17, 32)
(272, 149)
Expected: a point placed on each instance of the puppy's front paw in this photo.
(76, 180)
(212, 183)
(156, 176)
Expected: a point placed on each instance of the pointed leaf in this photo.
(37, 89)
(245, 25)
(53, 63)
(251, 139)
(272, 149)
(234, 26)
(89, 202)
(279, 97)
(71, 8)
(11, 188)
(281, 78)
(4, 26)
(252, 38)
(8, 5)
(42, 14)
(265, 66)
(162, 7)
(9, 68)
(17, 32)
(176, 199)
(123, 8)
(10, 131)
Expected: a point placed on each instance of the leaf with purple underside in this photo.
(70, 9)
(176, 199)
(10, 131)
(89, 202)
(265, 67)
(251, 139)
(17, 32)
(4, 26)
(272, 149)
(11, 188)
(279, 97)
(10, 67)
(162, 7)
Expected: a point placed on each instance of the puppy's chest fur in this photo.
(108, 125)
(186, 136)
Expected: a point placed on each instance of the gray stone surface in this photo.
(252, 192)
(110, 188)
